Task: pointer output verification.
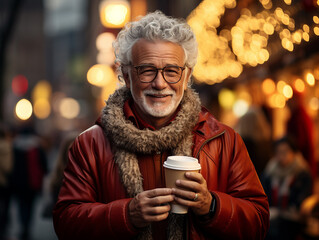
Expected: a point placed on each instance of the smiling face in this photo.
(158, 100)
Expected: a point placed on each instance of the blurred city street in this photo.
(257, 71)
(42, 228)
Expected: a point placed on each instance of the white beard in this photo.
(157, 109)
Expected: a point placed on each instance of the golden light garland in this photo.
(223, 55)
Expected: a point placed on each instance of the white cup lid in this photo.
(182, 163)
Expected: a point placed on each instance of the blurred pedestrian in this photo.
(6, 163)
(287, 182)
(57, 175)
(29, 169)
(300, 127)
(255, 130)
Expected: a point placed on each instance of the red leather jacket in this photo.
(93, 204)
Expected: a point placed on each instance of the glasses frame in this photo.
(162, 72)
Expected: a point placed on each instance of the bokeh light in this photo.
(41, 90)
(42, 108)
(287, 91)
(69, 108)
(310, 79)
(104, 41)
(299, 85)
(314, 104)
(277, 101)
(104, 45)
(19, 85)
(240, 107)
(114, 14)
(226, 98)
(280, 86)
(23, 109)
(100, 75)
(268, 86)
(306, 28)
(288, 2)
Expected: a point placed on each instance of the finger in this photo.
(160, 200)
(185, 202)
(189, 185)
(195, 176)
(158, 192)
(154, 214)
(187, 195)
(158, 210)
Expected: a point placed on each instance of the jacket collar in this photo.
(207, 126)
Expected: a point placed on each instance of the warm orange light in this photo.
(24, 109)
(305, 36)
(226, 98)
(41, 90)
(280, 86)
(104, 45)
(314, 104)
(69, 108)
(310, 79)
(306, 28)
(287, 44)
(268, 86)
(278, 101)
(42, 108)
(100, 75)
(287, 91)
(299, 85)
(268, 28)
(288, 2)
(114, 14)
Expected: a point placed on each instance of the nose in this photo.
(159, 82)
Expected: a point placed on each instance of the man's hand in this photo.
(150, 206)
(195, 184)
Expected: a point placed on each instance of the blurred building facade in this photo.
(269, 49)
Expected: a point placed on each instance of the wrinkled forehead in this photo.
(157, 50)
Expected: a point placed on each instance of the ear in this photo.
(189, 72)
(126, 78)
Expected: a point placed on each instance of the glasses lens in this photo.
(172, 73)
(146, 73)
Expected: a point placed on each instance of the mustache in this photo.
(155, 92)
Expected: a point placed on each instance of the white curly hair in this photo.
(155, 26)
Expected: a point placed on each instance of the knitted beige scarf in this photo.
(129, 141)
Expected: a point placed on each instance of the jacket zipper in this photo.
(208, 140)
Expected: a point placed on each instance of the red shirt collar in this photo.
(132, 115)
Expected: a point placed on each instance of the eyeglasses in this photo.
(171, 73)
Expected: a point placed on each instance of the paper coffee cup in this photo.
(175, 168)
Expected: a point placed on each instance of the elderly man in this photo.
(114, 185)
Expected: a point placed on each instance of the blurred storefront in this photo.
(59, 65)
